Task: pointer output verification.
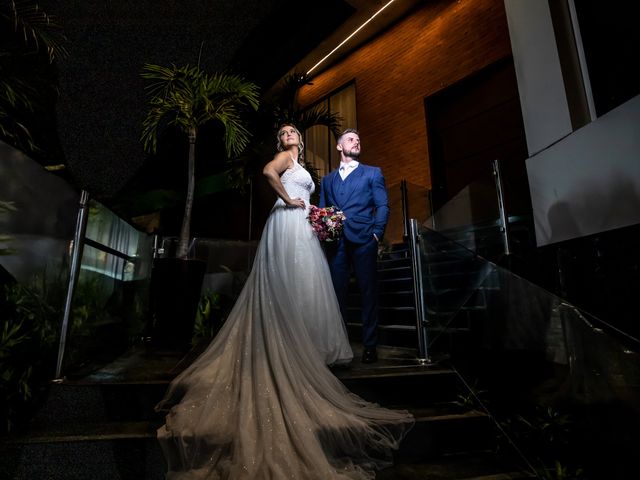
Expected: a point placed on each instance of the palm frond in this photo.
(188, 98)
(16, 132)
(319, 115)
(288, 93)
(16, 93)
(235, 89)
(36, 28)
(6, 207)
(167, 79)
(161, 114)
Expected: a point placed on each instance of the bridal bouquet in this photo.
(326, 222)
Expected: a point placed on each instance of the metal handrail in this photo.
(405, 208)
(501, 206)
(418, 288)
(76, 258)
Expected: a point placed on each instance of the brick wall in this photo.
(437, 45)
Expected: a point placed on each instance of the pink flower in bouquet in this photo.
(326, 222)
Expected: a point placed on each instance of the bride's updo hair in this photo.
(279, 146)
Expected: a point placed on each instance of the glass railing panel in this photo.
(419, 204)
(110, 306)
(406, 200)
(472, 217)
(452, 277)
(36, 228)
(562, 386)
(474, 204)
(228, 264)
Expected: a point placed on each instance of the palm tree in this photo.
(187, 98)
(285, 107)
(280, 107)
(27, 32)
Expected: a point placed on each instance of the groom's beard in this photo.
(352, 155)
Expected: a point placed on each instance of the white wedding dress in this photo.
(260, 402)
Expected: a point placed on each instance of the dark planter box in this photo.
(175, 293)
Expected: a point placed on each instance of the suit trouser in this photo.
(362, 257)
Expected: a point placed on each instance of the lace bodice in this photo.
(298, 183)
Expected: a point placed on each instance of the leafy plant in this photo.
(28, 326)
(545, 434)
(560, 472)
(27, 30)
(474, 398)
(29, 330)
(546, 425)
(208, 316)
(188, 98)
(6, 207)
(280, 107)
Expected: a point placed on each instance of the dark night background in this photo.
(102, 101)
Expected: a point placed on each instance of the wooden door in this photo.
(471, 123)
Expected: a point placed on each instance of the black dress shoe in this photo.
(370, 355)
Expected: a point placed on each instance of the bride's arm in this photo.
(273, 170)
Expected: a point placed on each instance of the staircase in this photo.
(103, 426)
(98, 427)
(396, 301)
(455, 284)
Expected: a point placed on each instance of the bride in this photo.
(260, 402)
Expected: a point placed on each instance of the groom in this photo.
(359, 191)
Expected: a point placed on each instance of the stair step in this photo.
(396, 250)
(88, 431)
(96, 433)
(482, 465)
(399, 298)
(437, 435)
(412, 386)
(385, 264)
(118, 457)
(111, 431)
(405, 282)
(99, 402)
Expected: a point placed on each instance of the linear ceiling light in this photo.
(349, 37)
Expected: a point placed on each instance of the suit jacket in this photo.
(362, 196)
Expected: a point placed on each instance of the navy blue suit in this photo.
(362, 196)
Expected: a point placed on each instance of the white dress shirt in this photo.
(347, 167)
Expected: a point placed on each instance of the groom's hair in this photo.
(348, 130)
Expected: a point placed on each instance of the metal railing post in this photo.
(432, 213)
(418, 288)
(405, 208)
(501, 206)
(250, 207)
(74, 271)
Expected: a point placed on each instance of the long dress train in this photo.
(260, 402)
